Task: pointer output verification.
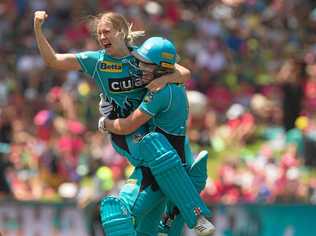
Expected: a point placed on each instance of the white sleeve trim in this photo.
(146, 111)
(81, 63)
(170, 99)
(99, 78)
(96, 67)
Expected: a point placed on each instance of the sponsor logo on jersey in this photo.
(137, 138)
(148, 97)
(109, 66)
(125, 84)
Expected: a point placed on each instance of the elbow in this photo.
(126, 131)
(54, 62)
(51, 63)
(188, 75)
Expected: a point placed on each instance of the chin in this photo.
(109, 50)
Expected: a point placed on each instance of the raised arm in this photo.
(66, 61)
(180, 75)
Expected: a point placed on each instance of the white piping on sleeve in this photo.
(170, 99)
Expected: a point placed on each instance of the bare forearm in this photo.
(118, 126)
(180, 75)
(47, 52)
(127, 125)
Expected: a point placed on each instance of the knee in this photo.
(115, 217)
(112, 207)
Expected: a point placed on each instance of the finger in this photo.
(105, 111)
(38, 13)
(150, 86)
(153, 88)
(106, 104)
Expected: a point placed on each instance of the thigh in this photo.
(148, 224)
(139, 194)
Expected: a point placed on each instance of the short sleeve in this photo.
(88, 61)
(155, 102)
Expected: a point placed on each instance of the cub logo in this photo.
(125, 84)
(109, 66)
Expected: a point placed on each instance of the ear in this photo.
(121, 34)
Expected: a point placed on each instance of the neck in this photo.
(120, 52)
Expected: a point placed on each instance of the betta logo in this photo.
(108, 66)
(125, 84)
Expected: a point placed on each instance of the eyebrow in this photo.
(104, 30)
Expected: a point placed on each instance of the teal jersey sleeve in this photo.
(89, 61)
(168, 109)
(155, 102)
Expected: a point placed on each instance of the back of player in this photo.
(169, 111)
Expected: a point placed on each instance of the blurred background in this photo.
(252, 100)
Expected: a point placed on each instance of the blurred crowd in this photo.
(252, 98)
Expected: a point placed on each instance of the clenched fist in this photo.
(39, 18)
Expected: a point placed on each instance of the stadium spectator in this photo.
(238, 51)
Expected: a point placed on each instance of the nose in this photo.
(102, 36)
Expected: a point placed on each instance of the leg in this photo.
(145, 201)
(173, 180)
(174, 222)
(120, 216)
(150, 221)
(116, 219)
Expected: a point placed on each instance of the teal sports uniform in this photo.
(169, 111)
(163, 105)
(119, 82)
(117, 79)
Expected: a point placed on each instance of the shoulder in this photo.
(162, 92)
(160, 96)
(90, 54)
(176, 88)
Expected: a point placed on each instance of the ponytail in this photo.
(132, 35)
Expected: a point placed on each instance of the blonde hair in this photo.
(119, 23)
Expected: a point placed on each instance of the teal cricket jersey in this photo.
(168, 109)
(116, 78)
(119, 82)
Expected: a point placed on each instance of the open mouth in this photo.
(107, 45)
